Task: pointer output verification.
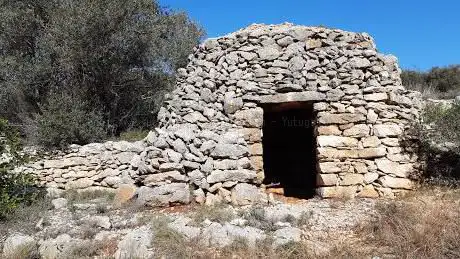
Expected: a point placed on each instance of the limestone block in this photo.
(327, 179)
(241, 175)
(359, 130)
(375, 97)
(342, 118)
(329, 130)
(252, 118)
(337, 141)
(370, 177)
(256, 149)
(329, 167)
(293, 97)
(372, 141)
(229, 151)
(355, 153)
(394, 168)
(257, 163)
(245, 194)
(396, 183)
(351, 179)
(368, 192)
(387, 130)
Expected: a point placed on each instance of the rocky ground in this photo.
(95, 225)
(130, 231)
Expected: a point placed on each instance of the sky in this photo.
(422, 34)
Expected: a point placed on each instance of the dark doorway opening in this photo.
(289, 147)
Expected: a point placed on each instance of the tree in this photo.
(118, 57)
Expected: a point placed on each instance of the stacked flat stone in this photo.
(209, 138)
(363, 111)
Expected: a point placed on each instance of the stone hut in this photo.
(307, 109)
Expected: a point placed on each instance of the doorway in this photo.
(289, 148)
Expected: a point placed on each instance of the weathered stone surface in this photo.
(245, 194)
(355, 153)
(372, 141)
(387, 130)
(241, 175)
(229, 151)
(360, 130)
(393, 168)
(329, 130)
(327, 179)
(344, 118)
(396, 183)
(252, 118)
(352, 179)
(293, 97)
(329, 167)
(370, 177)
(136, 244)
(164, 195)
(123, 194)
(336, 141)
(368, 192)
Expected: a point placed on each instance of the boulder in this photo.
(164, 195)
(16, 243)
(245, 194)
(123, 194)
(396, 183)
(136, 244)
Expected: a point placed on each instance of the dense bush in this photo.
(15, 188)
(436, 83)
(440, 136)
(66, 120)
(116, 57)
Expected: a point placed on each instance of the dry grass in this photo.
(25, 217)
(27, 251)
(220, 213)
(424, 224)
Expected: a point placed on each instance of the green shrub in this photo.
(67, 120)
(440, 138)
(439, 82)
(15, 188)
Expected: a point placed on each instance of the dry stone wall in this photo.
(209, 140)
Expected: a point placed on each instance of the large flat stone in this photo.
(337, 141)
(396, 183)
(241, 175)
(293, 97)
(341, 118)
(355, 153)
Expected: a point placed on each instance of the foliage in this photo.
(116, 57)
(66, 120)
(439, 133)
(439, 82)
(15, 188)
